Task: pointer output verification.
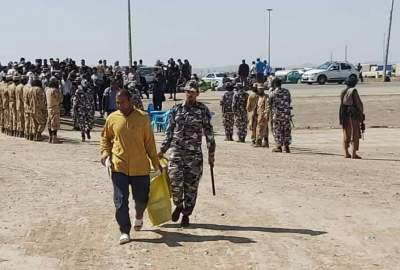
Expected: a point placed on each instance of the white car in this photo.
(330, 72)
(216, 79)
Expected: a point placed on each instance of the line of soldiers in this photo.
(256, 111)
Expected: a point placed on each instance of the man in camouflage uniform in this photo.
(26, 95)
(280, 102)
(6, 105)
(12, 124)
(262, 118)
(54, 98)
(136, 96)
(252, 111)
(39, 110)
(188, 122)
(83, 104)
(228, 117)
(239, 104)
(2, 81)
(19, 102)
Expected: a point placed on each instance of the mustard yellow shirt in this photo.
(130, 142)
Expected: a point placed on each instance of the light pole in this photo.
(269, 36)
(387, 43)
(130, 33)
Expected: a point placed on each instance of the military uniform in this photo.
(19, 101)
(39, 112)
(27, 95)
(6, 108)
(83, 104)
(262, 121)
(2, 128)
(12, 124)
(54, 99)
(252, 112)
(280, 102)
(239, 105)
(184, 136)
(137, 100)
(228, 117)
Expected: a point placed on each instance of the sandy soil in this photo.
(311, 209)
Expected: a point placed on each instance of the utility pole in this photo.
(387, 43)
(269, 36)
(130, 33)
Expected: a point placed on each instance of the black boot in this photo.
(88, 134)
(176, 214)
(83, 136)
(185, 222)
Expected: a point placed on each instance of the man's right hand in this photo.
(104, 157)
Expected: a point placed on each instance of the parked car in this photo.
(149, 73)
(330, 72)
(216, 79)
(288, 76)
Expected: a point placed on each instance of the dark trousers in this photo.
(140, 193)
(67, 104)
(98, 98)
(171, 86)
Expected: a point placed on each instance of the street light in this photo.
(129, 33)
(269, 36)
(387, 43)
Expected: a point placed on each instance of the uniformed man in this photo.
(280, 102)
(12, 105)
(39, 110)
(54, 98)
(6, 105)
(228, 117)
(136, 96)
(2, 81)
(252, 113)
(27, 110)
(262, 118)
(19, 102)
(239, 105)
(188, 122)
(351, 118)
(83, 103)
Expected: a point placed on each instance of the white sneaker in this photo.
(125, 238)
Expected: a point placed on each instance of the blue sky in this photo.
(210, 33)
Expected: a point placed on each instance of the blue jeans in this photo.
(140, 193)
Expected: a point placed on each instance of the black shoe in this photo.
(185, 222)
(88, 134)
(176, 214)
(83, 136)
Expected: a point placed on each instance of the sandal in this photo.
(138, 224)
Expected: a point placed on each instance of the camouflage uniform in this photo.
(136, 96)
(6, 111)
(39, 112)
(19, 101)
(227, 113)
(12, 108)
(239, 104)
(27, 95)
(83, 104)
(184, 137)
(54, 99)
(280, 102)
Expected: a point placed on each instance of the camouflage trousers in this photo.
(27, 123)
(228, 122)
(53, 118)
(185, 172)
(38, 122)
(282, 131)
(12, 124)
(20, 121)
(85, 121)
(241, 121)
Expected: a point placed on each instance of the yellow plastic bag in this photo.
(159, 205)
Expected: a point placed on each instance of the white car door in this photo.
(334, 72)
(345, 70)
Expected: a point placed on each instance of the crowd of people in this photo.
(35, 94)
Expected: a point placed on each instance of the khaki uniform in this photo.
(252, 114)
(39, 110)
(27, 95)
(1, 107)
(19, 102)
(6, 101)
(54, 98)
(262, 118)
(12, 124)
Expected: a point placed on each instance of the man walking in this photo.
(239, 105)
(127, 138)
(243, 72)
(252, 113)
(228, 118)
(188, 122)
(54, 99)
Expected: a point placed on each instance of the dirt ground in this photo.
(311, 209)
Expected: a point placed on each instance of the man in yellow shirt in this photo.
(128, 140)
